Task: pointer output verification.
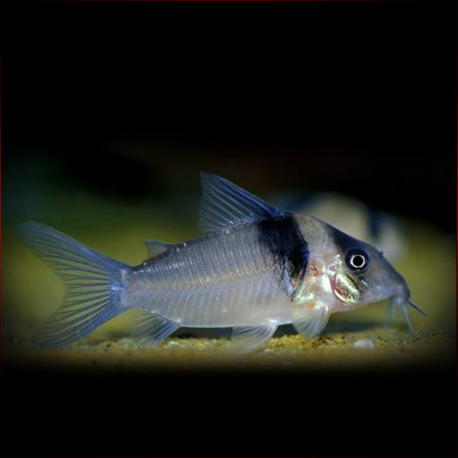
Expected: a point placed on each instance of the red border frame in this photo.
(183, 0)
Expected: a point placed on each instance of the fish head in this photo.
(359, 274)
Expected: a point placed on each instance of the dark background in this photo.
(357, 97)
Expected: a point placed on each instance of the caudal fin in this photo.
(92, 284)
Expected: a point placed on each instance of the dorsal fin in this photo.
(225, 205)
(155, 248)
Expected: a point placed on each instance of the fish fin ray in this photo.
(309, 322)
(225, 205)
(155, 248)
(92, 284)
(151, 327)
(250, 338)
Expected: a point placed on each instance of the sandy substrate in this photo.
(378, 347)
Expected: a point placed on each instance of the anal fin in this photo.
(249, 338)
(310, 319)
(151, 327)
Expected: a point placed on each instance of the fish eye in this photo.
(357, 260)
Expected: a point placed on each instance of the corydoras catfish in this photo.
(256, 268)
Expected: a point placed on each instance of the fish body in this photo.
(256, 268)
(219, 280)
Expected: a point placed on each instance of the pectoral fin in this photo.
(249, 338)
(309, 321)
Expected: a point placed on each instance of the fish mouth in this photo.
(403, 302)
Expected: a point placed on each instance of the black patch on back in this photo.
(284, 240)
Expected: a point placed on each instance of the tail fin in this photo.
(92, 284)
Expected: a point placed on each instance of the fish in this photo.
(255, 268)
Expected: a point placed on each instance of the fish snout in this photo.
(398, 284)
